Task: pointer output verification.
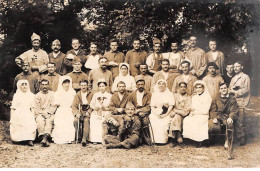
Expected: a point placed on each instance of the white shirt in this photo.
(120, 96)
(165, 74)
(84, 97)
(139, 97)
(215, 55)
(185, 78)
(92, 62)
(55, 54)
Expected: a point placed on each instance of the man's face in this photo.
(223, 90)
(183, 88)
(103, 64)
(212, 70)
(55, 47)
(121, 88)
(174, 47)
(45, 86)
(93, 48)
(212, 45)
(185, 68)
(77, 66)
(24, 87)
(230, 69)
(83, 86)
(140, 86)
(193, 41)
(238, 68)
(157, 47)
(51, 68)
(130, 111)
(165, 66)
(75, 44)
(26, 67)
(136, 44)
(113, 46)
(143, 69)
(36, 44)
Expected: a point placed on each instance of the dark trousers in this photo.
(84, 128)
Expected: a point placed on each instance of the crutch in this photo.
(152, 145)
(77, 136)
(230, 138)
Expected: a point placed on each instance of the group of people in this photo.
(123, 100)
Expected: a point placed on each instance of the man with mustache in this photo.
(154, 60)
(93, 58)
(57, 57)
(52, 76)
(164, 74)
(37, 57)
(197, 57)
(135, 57)
(75, 52)
(147, 78)
(240, 88)
(101, 72)
(44, 112)
(141, 100)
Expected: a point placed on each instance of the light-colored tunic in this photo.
(160, 126)
(128, 80)
(22, 121)
(196, 127)
(212, 83)
(98, 117)
(198, 60)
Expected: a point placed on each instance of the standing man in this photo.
(229, 74)
(213, 80)
(129, 136)
(197, 57)
(76, 51)
(164, 74)
(82, 111)
(240, 87)
(44, 112)
(135, 57)
(223, 110)
(154, 60)
(101, 72)
(186, 77)
(57, 57)
(216, 56)
(119, 99)
(114, 58)
(52, 76)
(181, 109)
(37, 57)
(141, 99)
(147, 78)
(27, 74)
(93, 58)
(77, 75)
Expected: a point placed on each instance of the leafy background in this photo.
(231, 22)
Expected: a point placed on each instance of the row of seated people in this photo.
(121, 119)
(33, 71)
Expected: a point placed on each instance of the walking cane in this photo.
(77, 136)
(152, 146)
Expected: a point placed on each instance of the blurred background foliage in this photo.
(232, 23)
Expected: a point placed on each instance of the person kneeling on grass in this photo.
(128, 134)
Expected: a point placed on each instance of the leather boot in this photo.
(44, 141)
(110, 146)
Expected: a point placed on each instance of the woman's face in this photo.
(161, 86)
(199, 89)
(66, 85)
(124, 70)
(102, 87)
(24, 87)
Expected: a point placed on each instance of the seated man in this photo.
(182, 108)
(81, 111)
(141, 99)
(119, 99)
(129, 135)
(44, 112)
(223, 110)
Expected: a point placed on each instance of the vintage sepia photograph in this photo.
(129, 84)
